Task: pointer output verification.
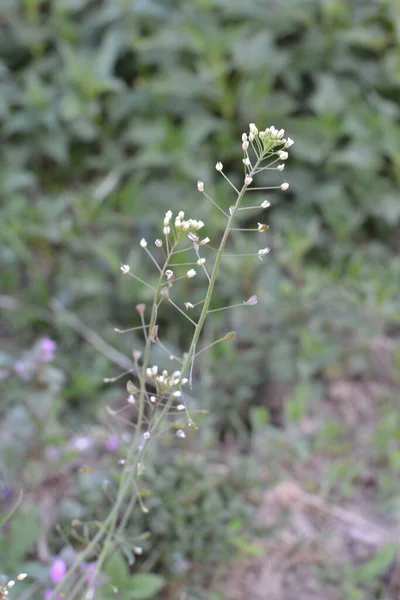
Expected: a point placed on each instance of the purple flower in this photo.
(90, 571)
(58, 570)
(21, 370)
(47, 347)
(112, 443)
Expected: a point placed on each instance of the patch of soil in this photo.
(317, 540)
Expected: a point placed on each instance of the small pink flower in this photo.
(112, 443)
(90, 571)
(48, 348)
(21, 370)
(58, 570)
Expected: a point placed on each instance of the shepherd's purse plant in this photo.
(161, 396)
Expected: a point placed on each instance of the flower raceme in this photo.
(160, 395)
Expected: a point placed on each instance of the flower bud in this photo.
(252, 301)
(141, 308)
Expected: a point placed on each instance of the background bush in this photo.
(111, 110)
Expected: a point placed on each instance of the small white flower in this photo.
(281, 133)
(143, 243)
(22, 576)
(181, 214)
(200, 186)
(283, 155)
(169, 274)
(125, 269)
(180, 433)
(153, 399)
(251, 136)
(253, 129)
(280, 167)
(188, 305)
(245, 145)
(284, 186)
(177, 394)
(265, 204)
(191, 273)
(252, 301)
(11, 583)
(166, 230)
(131, 399)
(219, 166)
(262, 227)
(184, 381)
(289, 142)
(201, 261)
(246, 161)
(180, 407)
(138, 550)
(205, 241)
(167, 217)
(146, 435)
(244, 137)
(262, 252)
(248, 180)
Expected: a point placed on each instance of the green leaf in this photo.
(8, 514)
(376, 566)
(117, 570)
(24, 531)
(145, 585)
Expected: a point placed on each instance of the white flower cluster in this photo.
(164, 382)
(10, 584)
(270, 139)
(182, 225)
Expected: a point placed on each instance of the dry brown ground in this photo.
(316, 535)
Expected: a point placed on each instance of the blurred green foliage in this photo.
(110, 110)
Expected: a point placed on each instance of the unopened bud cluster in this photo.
(271, 140)
(164, 382)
